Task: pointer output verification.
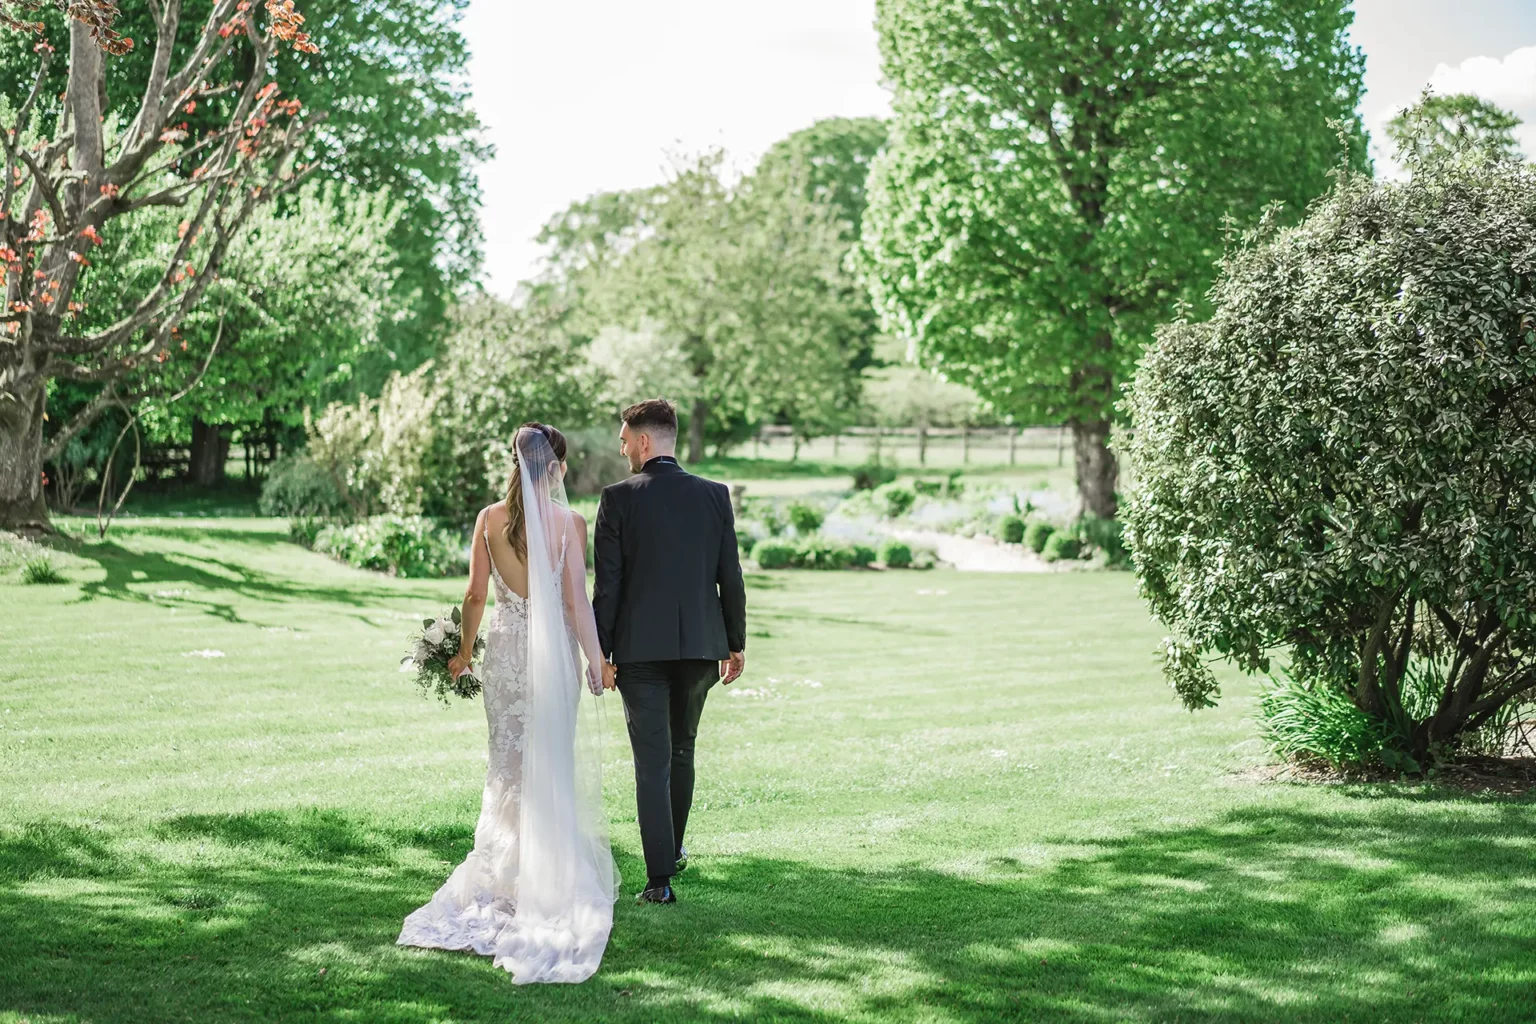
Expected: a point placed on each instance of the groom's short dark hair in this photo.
(652, 416)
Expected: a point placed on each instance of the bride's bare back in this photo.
(513, 570)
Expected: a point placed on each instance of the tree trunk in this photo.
(1097, 470)
(22, 507)
(210, 452)
(696, 420)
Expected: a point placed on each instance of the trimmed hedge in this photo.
(896, 554)
(1036, 535)
(1061, 547)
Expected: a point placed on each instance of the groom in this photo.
(671, 620)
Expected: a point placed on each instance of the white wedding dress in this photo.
(536, 893)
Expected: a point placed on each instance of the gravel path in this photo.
(983, 554)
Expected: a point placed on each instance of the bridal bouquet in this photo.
(430, 650)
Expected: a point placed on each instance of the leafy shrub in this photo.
(806, 519)
(928, 488)
(817, 552)
(1336, 466)
(765, 511)
(896, 554)
(1106, 535)
(873, 474)
(297, 486)
(40, 569)
(895, 499)
(863, 555)
(924, 557)
(1036, 535)
(1061, 546)
(774, 554)
(1010, 530)
(303, 531)
(1302, 720)
(411, 546)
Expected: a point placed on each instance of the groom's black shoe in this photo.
(682, 859)
(657, 894)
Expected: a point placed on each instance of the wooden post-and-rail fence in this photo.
(877, 441)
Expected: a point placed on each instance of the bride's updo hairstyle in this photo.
(515, 534)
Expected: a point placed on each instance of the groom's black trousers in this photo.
(662, 704)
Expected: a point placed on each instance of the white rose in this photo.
(434, 634)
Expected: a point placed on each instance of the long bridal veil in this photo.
(566, 882)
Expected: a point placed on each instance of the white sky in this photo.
(589, 96)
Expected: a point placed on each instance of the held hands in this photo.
(458, 665)
(610, 675)
(732, 668)
(597, 680)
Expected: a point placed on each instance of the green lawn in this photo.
(935, 797)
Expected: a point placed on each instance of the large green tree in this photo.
(1442, 130)
(1061, 174)
(79, 168)
(745, 279)
(391, 78)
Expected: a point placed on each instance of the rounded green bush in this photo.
(1010, 530)
(771, 553)
(896, 554)
(806, 519)
(409, 546)
(821, 553)
(896, 498)
(1061, 547)
(863, 555)
(1036, 535)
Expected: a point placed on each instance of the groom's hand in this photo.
(732, 668)
(610, 676)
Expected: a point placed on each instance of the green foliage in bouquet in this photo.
(431, 649)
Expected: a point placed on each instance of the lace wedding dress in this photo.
(536, 892)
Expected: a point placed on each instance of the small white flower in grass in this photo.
(998, 753)
(204, 654)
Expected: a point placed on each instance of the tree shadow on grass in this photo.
(1371, 913)
(125, 568)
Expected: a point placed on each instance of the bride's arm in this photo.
(474, 597)
(578, 607)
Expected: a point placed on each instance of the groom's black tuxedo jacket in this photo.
(669, 582)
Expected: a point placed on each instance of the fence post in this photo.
(878, 431)
(922, 445)
(836, 443)
(965, 444)
(1061, 444)
(757, 438)
(1013, 444)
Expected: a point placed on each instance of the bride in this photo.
(537, 891)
